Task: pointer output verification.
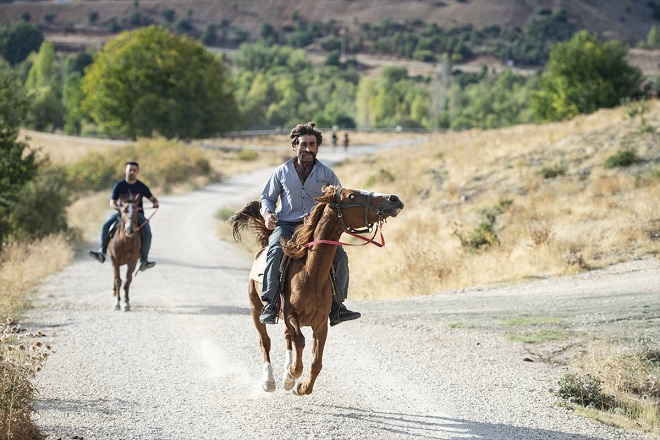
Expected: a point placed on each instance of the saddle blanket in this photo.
(259, 266)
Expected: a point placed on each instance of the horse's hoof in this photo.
(117, 307)
(268, 387)
(296, 391)
(287, 381)
(126, 307)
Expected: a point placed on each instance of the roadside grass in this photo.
(22, 356)
(538, 336)
(617, 385)
(539, 332)
(22, 267)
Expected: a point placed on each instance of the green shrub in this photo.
(162, 163)
(483, 234)
(382, 176)
(553, 171)
(585, 390)
(95, 172)
(623, 158)
(247, 155)
(41, 206)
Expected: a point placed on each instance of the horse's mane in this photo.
(295, 247)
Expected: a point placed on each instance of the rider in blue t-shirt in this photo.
(129, 186)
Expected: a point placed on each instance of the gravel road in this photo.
(184, 363)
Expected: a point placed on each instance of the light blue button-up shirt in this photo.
(296, 199)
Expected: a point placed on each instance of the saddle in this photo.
(259, 267)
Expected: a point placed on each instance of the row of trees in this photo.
(152, 81)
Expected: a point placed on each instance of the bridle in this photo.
(132, 217)
(369, 227)
(146, 220)
(367, 207)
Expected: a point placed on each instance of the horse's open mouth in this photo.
(392, 212)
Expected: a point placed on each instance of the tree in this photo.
(18, 163)
(18, 40)
(584, 75)
(153, 81)
(46, 112)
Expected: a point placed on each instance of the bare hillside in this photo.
(628, 21)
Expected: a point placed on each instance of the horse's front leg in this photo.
(294, 371)
(288, 381)
(126, 304)
(319, 337)
(117, 286)
(267, 378)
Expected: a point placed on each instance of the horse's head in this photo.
(129, 213)
(361, 209)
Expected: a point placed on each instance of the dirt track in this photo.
(185, 363)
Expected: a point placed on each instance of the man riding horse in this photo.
(296, 183)
(130, 185)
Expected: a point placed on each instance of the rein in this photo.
(147, 219)
(121, 220)
(371, 240)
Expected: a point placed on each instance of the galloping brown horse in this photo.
(124, 248)
(307, 290)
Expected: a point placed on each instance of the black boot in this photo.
(339, 313)
(269, 314)
(145, 264)
(99, 256)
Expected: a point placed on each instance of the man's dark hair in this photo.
(132, 162)
(303, 129)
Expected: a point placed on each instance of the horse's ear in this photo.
(329, 194)
(330, 189)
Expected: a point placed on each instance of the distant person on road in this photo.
(345, 142)
(130, 185)
(334, 140)
(295, 184)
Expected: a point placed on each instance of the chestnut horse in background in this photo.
(307, 292)
(124, 247)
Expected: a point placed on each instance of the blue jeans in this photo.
(146, 234)
(274, 256)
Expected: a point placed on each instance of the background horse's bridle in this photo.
(133, 218)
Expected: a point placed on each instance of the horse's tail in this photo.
(250, 217)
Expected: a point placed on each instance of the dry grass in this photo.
(590, 217)
(632, 377)
(22, 355)
(24, 265)
(62, 149)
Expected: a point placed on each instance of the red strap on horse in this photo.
(379, 227)
(147, 220)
